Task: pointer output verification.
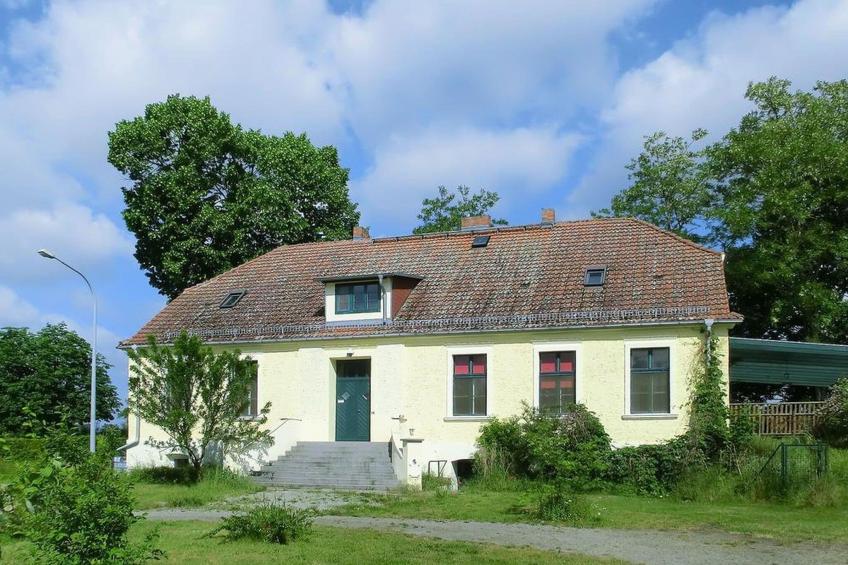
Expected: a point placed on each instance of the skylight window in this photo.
(480, 241)
(232, 299)
(595, 276)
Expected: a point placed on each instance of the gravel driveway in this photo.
(637, 546)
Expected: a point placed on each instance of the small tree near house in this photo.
(197, 397)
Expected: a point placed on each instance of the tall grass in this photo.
(742, 477)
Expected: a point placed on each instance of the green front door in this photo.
(353, 400)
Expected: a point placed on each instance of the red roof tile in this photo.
(527, 277)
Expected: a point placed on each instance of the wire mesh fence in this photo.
(795, 464)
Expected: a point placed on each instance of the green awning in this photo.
(786, 362)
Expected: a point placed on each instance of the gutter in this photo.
(730, 321)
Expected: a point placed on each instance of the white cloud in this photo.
(15, 311)
(413, 64)
(73, 232)
(511, 162)
(701, 82)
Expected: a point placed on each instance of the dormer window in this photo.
(232, 299)
(357, 298)
(595, 276)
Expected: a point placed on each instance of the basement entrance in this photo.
(353, 400)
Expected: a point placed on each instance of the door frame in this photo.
(338, 377)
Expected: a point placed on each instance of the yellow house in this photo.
(383, 357)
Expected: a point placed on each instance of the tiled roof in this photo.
(527, 277)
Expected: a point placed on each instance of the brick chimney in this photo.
(548, 216)
(360, 232)
(476, 222)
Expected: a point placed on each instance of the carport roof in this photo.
(786, 362)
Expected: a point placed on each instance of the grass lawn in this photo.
(183, 543)
(206, 491)
(775, 520)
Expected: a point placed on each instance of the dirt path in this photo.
(637, 546)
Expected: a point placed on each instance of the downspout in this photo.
(708, 323)
(382, 297)
(137, 440)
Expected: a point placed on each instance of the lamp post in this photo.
(92, 428)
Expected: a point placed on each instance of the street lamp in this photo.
(91, 432)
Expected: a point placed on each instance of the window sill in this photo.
(467, 418)
(649, 416)
(248, 418)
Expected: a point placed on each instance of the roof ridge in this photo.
(491, 229)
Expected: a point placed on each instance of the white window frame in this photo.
(550, 347)
(330, 302)
(469, 350)
(671, 344)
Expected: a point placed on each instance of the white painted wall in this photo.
(411, 376)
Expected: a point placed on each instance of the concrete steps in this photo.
(342, 465)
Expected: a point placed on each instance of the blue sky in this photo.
(544, 102)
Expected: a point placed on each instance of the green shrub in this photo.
(72, 448)
(558, 503)
(270, 523)
(162, 475)
(79, 514)
(653, 469)
(832, 424)
(573, 447)
(502, 447)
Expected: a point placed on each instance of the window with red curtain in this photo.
(469, 385)
(557, 381)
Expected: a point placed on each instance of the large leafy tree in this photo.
(782, 178)
(45, 379)
(669, 185)
(197, 397)
(445, 211)
(773, 193)
(207, 195)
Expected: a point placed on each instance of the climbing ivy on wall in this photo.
(708, 412)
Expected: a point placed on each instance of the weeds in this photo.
(557, 503)
(270, 523)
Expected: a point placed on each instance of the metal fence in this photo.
(780, 419)
(796, 463)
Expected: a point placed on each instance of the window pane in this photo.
(478, 364)
(547, 362)
(567, 396)
(566, 362)
(659, 358)
(357, 297)
(461, 405)
(343, 303)
(460, 364)
(480, 397)
(639, 358)
(649, 393)
(640, 404)
(595, 277)
(373, 292)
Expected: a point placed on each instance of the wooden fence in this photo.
(782, 418)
